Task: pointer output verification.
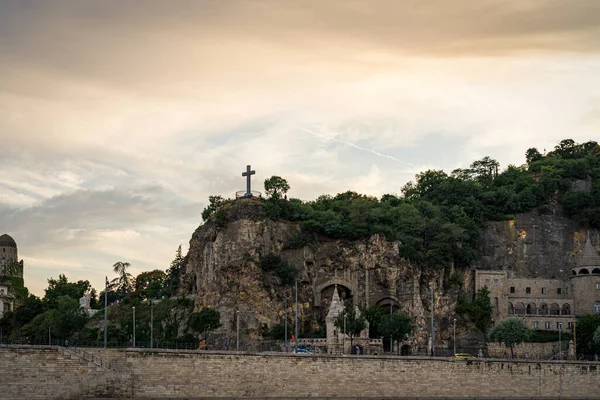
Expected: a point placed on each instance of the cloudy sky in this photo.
(119, 118)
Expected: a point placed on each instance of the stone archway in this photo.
(344, 286)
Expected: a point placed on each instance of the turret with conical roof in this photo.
(589, 261)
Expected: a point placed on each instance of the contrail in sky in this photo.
(329, 139)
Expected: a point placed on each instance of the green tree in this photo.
(206, 320)
(596, 337)
(479, 311)
(374, 316)
(214, 202)
(62, 287)
(587, 326)
(276, 186)
(351, 323)
(148, 284)
(123, 282)
(511, 332)
(174, 273)
(398, 326)
(532, 154)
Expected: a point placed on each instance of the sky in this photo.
(119, 118)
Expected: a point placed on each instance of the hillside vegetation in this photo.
(439, 217)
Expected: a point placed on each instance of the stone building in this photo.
(9, 266)
(546, 304)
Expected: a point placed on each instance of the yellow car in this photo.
(463, 355)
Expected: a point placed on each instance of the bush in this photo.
(285, 272)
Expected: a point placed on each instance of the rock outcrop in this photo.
(223, 270)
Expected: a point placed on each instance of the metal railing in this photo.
(99, 361)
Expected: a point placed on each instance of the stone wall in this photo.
(534, 351)
(177, 374)
(48, 372)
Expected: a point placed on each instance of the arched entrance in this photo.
(387, 305)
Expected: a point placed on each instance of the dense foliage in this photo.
(585, 330)
(510, 331)
(440, 216)
(58, 316)
(479, 310)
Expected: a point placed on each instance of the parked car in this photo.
(303, 349)
(463, 355)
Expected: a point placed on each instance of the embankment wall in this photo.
(181, 374)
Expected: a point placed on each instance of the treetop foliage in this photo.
(439, 217)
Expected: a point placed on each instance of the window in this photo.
(567, 290)
(598, 286)
(558, 326)
(496, 282)
(528, 290)
(512, 289)
(487, 282)
(570, 325)
(597, 307)
(547, 325)
(559, 291)
(544, 290)
(496, 304)
(536, 325)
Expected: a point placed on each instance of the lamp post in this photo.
(105, 310)
(560, 340)
(454, 331)
(296, 321)
(133, 341)
(151, 323)
(344, 336)
(237, 327)
(432, 325)
(285, 304)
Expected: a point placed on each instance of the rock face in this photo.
(223, 270)
(532, 245)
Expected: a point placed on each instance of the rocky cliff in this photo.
(223, 269)
(533, 244)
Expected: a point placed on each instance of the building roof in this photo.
(590, 257)
(7, 241)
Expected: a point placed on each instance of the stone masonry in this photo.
(42, 373)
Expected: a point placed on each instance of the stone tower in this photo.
(334, 337)
(585, 280)
(10, 266)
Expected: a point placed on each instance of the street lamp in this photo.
(237, 325)
(296, 320)
(133, 341)
(454, 329)
(105, 310)
(344, 336)
(151, 323)
(432, 325)
(560, 340)
(285, 304)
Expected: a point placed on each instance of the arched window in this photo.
(520, 308)
(584, 271)
(573, 272)
(566, 309)
(554, 309)
(531, 308)
(596, 271)
(511, 309)
(543, 309)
